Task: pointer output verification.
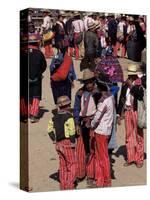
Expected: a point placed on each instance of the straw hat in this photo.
(132, 69)
(87, 75)
(63, 101)
(131, 18)
(45, 11)
(91, 26)
(76, 13)
(62, 13)
(97, 25)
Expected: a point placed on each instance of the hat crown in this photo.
(91, 25)
(87, 74)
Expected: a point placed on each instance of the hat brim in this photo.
(132, 73)
(86, 80)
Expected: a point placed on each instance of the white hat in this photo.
(132, 69)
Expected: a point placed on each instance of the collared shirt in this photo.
(78, 26)
(88, 107)
(103, 118)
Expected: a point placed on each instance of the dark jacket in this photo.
(37, 65)
(137, 93)
(91, 43)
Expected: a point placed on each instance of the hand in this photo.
(73, 145)
(119, 121)
(78, 129)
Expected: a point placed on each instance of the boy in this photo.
(61, 130)
(102, 126)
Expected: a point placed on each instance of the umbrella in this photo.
(110, 66)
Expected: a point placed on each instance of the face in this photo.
(89, 85)
(129, 81)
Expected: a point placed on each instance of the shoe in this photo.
(139, 165)
(33, 119)
(126, 164)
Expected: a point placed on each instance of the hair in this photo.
(102, 87)
(132, 77)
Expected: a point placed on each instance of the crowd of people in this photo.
(86, 137)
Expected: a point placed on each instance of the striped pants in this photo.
(134, 138)
(80, 154)
(85, 168)
(102, 163)
(23, 108)
(67, 164)
(34, 107)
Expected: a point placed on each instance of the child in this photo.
(102, 126)
(61, 130)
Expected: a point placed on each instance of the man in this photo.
(112, 32)
(60, 32)
(102, 125)
(84, 108)
(78, 28)
(46, 27)
(91, 42)
(37, 65)
(128, 104)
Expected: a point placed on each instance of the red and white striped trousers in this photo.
(34, 107)
(80, 155)
(67, 164)
(102, 163)
(23, 107)
(134, 138)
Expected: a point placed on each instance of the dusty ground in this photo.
(43, 160)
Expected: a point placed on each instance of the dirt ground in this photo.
(43, 159)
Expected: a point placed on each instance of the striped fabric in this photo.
(67, 164)
(23, 107)
(34, 107)
(102, 163)
(134, 138)
(88, 107)
(80, 154)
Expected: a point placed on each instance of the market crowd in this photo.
(86, 137)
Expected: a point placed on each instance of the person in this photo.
(91, 41)
(62, 74)
(128, 105)
(121, 36)
(60, 32)
(86, 99)
(136, 41)
(61, 130)
(78, 29)
(102, 126)
(112, 32)
(37, 65)
(46, 27)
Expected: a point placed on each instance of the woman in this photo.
(62, 74)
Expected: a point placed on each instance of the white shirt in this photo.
(87, 20)
(103, 118)
(91, 108)
(130, 28)
(120, 26)
(47, 23)
(78, 26)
